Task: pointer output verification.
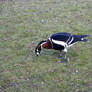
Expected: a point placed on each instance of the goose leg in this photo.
(60, 54)
(65, 58)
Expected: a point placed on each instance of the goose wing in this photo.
(61, 36)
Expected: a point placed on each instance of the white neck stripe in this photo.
(42, 44)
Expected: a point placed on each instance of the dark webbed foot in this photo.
(62, 61)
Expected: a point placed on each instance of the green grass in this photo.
(23, 24)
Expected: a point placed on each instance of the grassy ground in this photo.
(24, 23)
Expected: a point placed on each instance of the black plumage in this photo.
(63, 40)
(60, 41)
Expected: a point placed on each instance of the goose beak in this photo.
(37, 54)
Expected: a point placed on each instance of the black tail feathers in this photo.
(82, 38)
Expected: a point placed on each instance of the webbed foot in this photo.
(62, 61)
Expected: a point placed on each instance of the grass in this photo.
(23, 24)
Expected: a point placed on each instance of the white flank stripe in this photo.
(72, 44)
(59, 42)
(68, 39)
(71, 40)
